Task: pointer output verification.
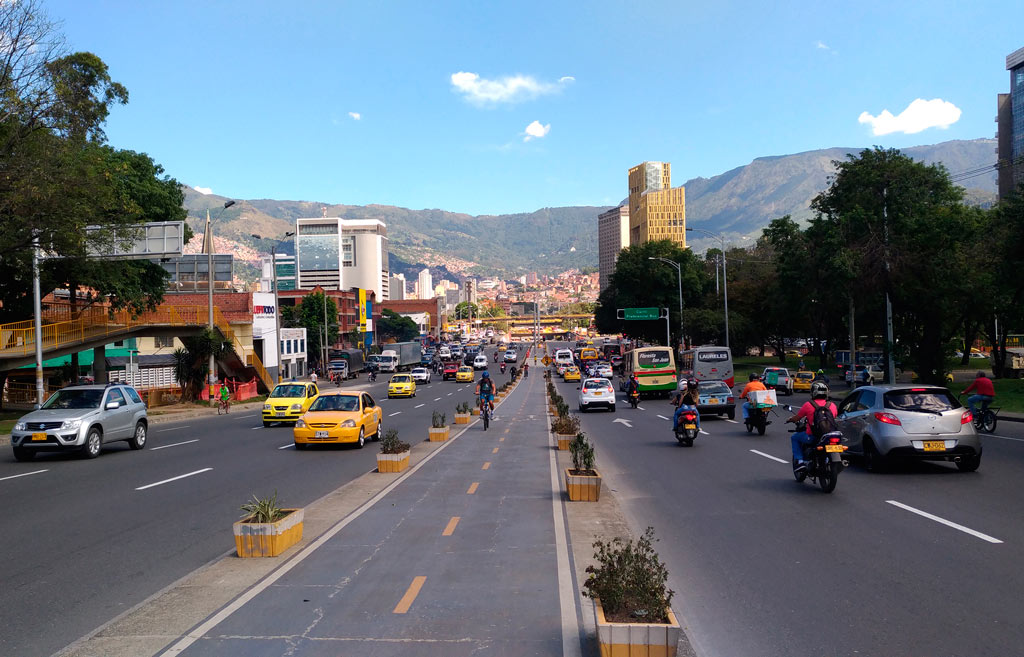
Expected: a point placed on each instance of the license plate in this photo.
(320, 434)
(934, 445)
(689, 426)
(833, 448)
(713, 400)
(39, 436)
(278, 412)
(598, 393)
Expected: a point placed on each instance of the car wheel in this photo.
(301, 446)
(732, 414)
(93, 444)
(969, 463)
(873, 460)
(380, 428)
(362, 437)
(138, 440)
(22, 454)
(266, 424)
(612, 408)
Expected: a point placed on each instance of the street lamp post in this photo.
(277, 303)
(208, 237)
(725, 277)
(679, 273)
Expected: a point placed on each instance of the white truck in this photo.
(400, 356)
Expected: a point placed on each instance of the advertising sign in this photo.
(264, 325)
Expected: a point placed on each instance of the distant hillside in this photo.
(736, 203)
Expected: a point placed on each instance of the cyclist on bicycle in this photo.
(485, 391)
(985, 392)
(225, 398)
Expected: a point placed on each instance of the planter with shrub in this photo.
(438, 428)
(462, 413)
(565, 427)
(394, 454)
(582, 481)
(266, 530)
(632, 604)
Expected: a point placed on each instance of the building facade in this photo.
(396, 287)
(1010, 118)
(426, 285)
(612, 237)
(339, 254)
(285, 272)
(657, 211)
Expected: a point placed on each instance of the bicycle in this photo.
(223, 405)
(485, 413)
(985, 418)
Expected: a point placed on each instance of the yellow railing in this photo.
(23, 394)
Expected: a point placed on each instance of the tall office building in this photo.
(657, 211)
(285, 272)
(397, 287)
(612, 237)
(426, 282)
(339, 254)
(1010, 118)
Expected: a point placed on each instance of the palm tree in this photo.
(190, 362)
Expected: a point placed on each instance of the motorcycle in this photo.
(372, 376)
(634, 398)
(502, 368)
(758, 419)
(686, 431)
(495, 356)
(824, 457)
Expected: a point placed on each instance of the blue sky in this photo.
(494, 107)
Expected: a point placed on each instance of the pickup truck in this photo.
(864, 375)
(778, 378)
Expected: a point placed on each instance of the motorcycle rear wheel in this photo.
(761, 428)
(828, 475)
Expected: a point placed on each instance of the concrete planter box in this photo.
(563, 441)
(583, 488)
(636, 639)
(438, 434)
(392, 462)
(462, 418)
(268, 539)
(475, 411)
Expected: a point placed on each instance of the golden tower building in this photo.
(657, 211)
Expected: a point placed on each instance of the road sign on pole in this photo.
(640, 313)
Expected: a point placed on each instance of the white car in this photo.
(444, 353)
(511, 356)
(597, 392)
(480, 362)
(421, 375)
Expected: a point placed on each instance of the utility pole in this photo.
(891, 374)
(38, 323)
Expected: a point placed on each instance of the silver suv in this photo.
(82, 418)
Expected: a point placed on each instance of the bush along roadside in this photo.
(462, 413)
(438, 427)
(582, 480)
(266, 529)
(394, 454)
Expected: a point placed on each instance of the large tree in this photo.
(310, 314)
(392, 326)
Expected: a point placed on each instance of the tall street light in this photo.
(679, 272)
(277, 302)
(208, 239)
(725, 277)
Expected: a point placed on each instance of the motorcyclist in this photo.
(819, 397)
(821, 377)
(685, 399)
(633, 387)
(502, 367)
(984, 392)
(495, 356)
(485, 391)
(754, 383)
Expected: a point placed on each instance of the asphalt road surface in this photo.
(764, 566)
(86, 540)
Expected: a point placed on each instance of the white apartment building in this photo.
(339, 254)
(612, 237)
(426, 285)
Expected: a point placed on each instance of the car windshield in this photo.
(596, 384)
(76, 399)
(335, 403)
(400, 379)
(288, 391)
(465, 369)
(922, 400)
(713, 388)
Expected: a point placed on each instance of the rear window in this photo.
(713, 388)
(596, 384)
(922, 400)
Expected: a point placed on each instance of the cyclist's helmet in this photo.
(485, 375)
(819, 390)
(754, 376)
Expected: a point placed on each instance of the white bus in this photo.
(707, 363)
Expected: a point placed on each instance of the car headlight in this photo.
(70, 424)
(299, 424)
(266, 407)
(348, 424)
(20, 426)
(296, 407)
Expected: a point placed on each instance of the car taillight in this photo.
(732, 400)
(888, 418)
(966, 417)
(609, 389)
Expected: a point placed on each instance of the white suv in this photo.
(480, 362)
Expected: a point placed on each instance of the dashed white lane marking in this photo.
(174, 444)
(255, 428)
(176, 428)
(733, 421)
(992, 435)
(948, 523)
(438, 399)
(641, 408)
(167, 481)
(287, 446)
(450, 394)
(664, 418)
(705, 432)
(23, 474)
(395, 413)
(769, 456)
(419, 405)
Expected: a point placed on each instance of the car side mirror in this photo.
(112, 405)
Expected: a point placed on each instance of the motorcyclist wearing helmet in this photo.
(485, 390)
(685, 399)
(633, 386)
(753, 384)
(819, 397)
(820, 376)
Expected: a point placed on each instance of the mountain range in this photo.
(736, 204)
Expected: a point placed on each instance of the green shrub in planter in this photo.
(582, 454)
(630, 580)
(566, 425)
(263, 509)
(462, 407)
(562, 408)
(390, 444)
(437, 420)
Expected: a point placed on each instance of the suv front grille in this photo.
(42, 426)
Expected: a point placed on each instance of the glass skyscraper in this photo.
(1011, 127)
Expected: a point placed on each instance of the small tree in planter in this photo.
(394, 454)
(266, 530)
(565, 427)
(582, 481)
(462, 413)
(628, 586)
(438, 427)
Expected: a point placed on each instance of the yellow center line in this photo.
(450, 529)
(502, 439)
(410, 594)
(472, 488)
(494, 451)
(487, 465)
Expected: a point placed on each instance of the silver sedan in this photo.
(917, 422)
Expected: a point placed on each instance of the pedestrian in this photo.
(312, 377)
(526, 370)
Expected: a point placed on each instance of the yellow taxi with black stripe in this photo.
(571, 374)
(401, 385)
(464, 375)
(339, 417)
(288, 401)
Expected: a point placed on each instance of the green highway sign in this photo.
(639, 313)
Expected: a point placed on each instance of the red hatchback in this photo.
(450, 370)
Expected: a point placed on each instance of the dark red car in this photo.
(450, 369)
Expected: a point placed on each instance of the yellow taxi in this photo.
(571, 374)
(802, 380)
(288, 401)
(401, 385)
(339, 417)
(464, 375)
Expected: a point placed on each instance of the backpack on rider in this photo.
(823, 421)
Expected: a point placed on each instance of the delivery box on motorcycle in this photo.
(763, 398)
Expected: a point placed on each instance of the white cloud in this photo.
(566, 78)
(508, 89)
(919, 115)
(206, 191)
(535, 131)
(821, 46)
(355, 115)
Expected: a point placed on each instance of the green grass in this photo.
(1009, 395)
(7, 420)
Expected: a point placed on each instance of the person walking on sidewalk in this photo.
(312, 377)
(526, 370)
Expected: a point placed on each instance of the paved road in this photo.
(765, 566)
(88, 540)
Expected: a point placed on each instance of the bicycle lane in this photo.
(459, 557)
